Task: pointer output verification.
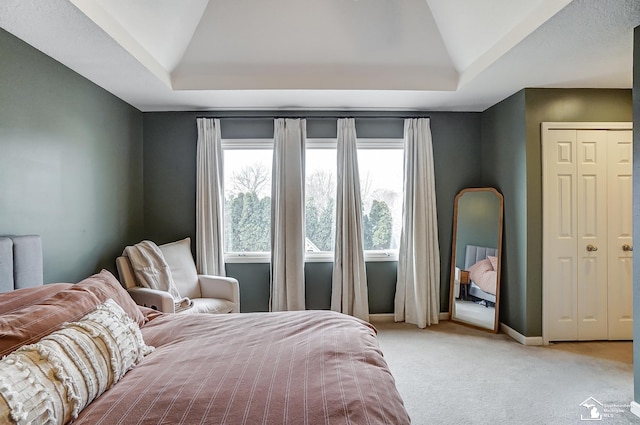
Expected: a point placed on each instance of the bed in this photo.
(474, 254)
(308, 367)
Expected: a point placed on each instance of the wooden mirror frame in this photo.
(496, 322)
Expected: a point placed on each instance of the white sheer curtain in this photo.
(209, 199)
(349, 287)
(417, 297)
(287, 215)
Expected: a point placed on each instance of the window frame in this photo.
(246, 144)
(311, 143)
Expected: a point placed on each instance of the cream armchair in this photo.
(210, 294)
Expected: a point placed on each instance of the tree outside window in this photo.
(247, 201)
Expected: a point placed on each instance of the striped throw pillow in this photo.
(52, 380)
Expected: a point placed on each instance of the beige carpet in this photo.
(453, 374)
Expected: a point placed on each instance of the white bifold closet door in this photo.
(620, 244)
(587, 216)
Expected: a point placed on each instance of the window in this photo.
(380, 162)
(247, 187)
(247, 196)
(320, 197)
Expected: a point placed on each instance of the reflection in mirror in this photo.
(475, 259)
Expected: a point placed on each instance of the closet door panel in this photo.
(592, 234)
(560, 238)
(620, 258)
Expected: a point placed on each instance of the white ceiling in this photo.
(455, 55)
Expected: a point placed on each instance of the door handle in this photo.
(627, 247)
(592, 248)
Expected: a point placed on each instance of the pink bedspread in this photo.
(313, 367)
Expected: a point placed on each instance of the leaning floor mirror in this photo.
(476, 258)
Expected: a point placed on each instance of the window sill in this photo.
(315, 257)
(248, 257)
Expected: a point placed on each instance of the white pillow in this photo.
(53, 380)
(183, 269)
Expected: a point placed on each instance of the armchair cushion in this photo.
(211, 305)
(183, 269)
(225, 288)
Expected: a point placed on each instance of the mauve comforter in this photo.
(310, 367)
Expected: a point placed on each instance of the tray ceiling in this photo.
(331, 54)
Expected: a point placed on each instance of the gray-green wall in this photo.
(503, 165)
(170, 181)
(71, 163)
(511, 135)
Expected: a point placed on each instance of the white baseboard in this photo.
(635, 408)
(524, 340)
(381, 318)
(389, 317)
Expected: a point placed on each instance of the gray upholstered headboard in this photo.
(20, 262)
(474, 253)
